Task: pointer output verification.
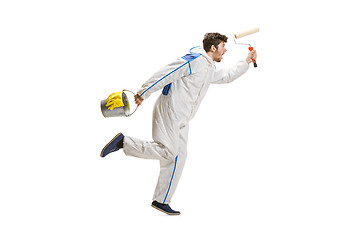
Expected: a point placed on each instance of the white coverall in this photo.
(185, 82)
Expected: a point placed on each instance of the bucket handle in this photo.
(124, 90)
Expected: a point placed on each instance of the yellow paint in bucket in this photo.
(114, 100)
(116, 105)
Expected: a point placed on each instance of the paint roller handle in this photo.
(253, 60)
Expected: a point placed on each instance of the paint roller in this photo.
(246, 33)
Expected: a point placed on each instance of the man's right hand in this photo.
(252, 55)
(138, 99)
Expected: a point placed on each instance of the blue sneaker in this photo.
(114, 145)
(164, 208)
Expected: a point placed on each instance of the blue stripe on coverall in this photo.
(172, 176)
(166, 89)
(188, 58)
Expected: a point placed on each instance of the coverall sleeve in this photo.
(228, 75)
(167, 74)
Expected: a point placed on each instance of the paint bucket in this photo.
(123, 111)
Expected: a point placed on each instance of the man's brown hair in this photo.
(213, 39)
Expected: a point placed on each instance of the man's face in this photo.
(220, 51)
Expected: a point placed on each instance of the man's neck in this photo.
(210, 54)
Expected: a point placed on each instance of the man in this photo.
(184, 84)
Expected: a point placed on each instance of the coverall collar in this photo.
(200, 50)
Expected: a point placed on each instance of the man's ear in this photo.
(213, 48)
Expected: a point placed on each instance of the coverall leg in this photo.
(169, 147)
(171, 170)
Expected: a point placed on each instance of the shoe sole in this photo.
(102, 152)
(164, 211)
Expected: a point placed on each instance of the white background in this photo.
(273, 155)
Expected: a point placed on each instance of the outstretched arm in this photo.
(168, 74)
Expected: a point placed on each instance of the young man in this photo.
(184, 84)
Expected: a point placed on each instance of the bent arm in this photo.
(228, 75)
